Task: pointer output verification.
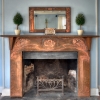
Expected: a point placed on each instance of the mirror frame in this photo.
(31, 18)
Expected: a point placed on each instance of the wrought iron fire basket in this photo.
(50, 85)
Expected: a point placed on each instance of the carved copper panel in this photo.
(50, 44)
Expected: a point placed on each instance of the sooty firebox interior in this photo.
(50, 65)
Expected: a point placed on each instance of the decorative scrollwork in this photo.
(49, 84)
(49, 44)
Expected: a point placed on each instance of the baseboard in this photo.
(5, 92)
(94, 92)
(1, 88)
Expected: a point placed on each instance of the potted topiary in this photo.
(80, 20)
(17, 20)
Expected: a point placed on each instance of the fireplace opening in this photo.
(50, 65)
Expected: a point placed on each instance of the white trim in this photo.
(1, 88)
(2, 16)
(96, 17)
(5, 92)
(94, 92)
(97, 44)
(3, 51)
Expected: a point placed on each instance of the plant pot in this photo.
(17, 32)
(80, 32)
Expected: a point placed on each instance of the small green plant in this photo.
(80, 20)
(18, 19)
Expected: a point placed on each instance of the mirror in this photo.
(50, 17)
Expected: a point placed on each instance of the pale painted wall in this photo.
(0, 47)
(84, 6)
(87, 7)
(99, 38)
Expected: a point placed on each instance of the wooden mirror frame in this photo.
(31, 18)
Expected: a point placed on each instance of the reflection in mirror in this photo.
(50, 19)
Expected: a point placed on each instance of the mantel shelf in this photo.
(12, 38)
(70, 36)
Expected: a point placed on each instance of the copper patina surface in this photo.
(46, 44)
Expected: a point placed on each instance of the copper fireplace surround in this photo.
(50, 43)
